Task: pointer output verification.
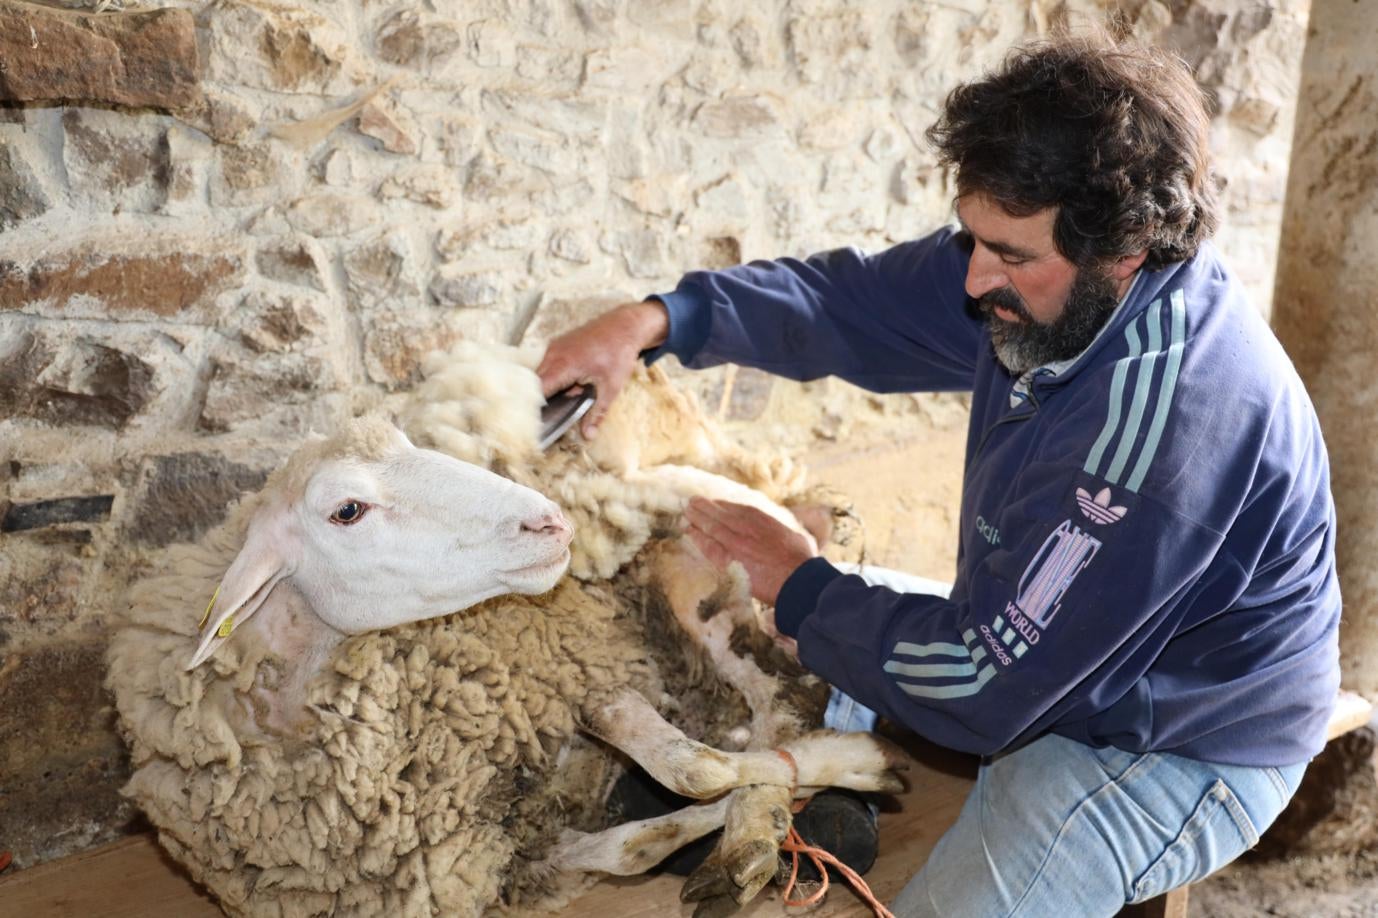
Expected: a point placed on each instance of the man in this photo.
(1141, 639)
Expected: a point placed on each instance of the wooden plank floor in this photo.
(133, 878)
(938, 785)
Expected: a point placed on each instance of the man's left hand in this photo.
(727, 532)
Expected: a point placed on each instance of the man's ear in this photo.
(270, 552)
(1124, 268)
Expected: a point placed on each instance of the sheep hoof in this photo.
(753, 864)
(709, 880)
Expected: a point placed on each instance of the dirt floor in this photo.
(1325, 886)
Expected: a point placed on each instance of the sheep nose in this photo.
(552, 523)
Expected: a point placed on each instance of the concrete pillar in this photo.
(1326, 299)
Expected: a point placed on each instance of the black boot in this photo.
(637, 795)
(841, 823)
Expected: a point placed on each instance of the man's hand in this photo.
(769, 550)
(604, 352)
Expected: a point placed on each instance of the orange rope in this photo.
(795, 845)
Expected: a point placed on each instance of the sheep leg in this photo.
(626, 720)
(635, 847)
(746, 858)
(758, 817)
(693, 588)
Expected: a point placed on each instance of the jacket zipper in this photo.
(1007, 419)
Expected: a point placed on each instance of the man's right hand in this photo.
(604, 352)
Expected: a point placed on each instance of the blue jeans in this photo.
(1060, 828)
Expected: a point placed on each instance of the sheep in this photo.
(387, 705)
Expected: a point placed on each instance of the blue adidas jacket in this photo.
(1147, 532)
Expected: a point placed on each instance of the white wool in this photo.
(424, 779)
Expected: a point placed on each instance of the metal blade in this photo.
(562, 411)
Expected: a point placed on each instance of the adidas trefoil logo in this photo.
(1097, 509)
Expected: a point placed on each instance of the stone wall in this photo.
(223, 225)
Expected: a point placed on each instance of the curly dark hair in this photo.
(1111, 133)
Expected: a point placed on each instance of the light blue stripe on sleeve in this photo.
(1112, 420)
(931, 670)
(1168, 386)
(943, 692)
(937, 648)
(1142, 384)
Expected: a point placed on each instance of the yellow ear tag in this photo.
(225, 627)
(210, 605)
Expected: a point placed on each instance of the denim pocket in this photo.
(1218, 832)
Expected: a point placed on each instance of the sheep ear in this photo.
(264, 560)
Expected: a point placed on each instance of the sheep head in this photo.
(373, 532)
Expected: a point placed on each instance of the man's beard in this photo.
(1021, 346)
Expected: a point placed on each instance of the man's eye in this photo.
(349, 512)
(1012, 262)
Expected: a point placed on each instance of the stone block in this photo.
(114, 162)
(543, 150)
(725, 204)
(276, 46)
(21, 193)
(559, 313)
(550, 66)
(72, 381)
(408, 40)
(564, 114)
(223, 116)
(744, 117)
(396, 342)
(390, 126)
(431, 184)
(381, 270)
(57, 511)
(331, 214)
(281, 323)
(516, 234)
(40, 589)
(187, 154)
(829, 47)
(748, 41)
(259, 173)
(138, 276)
(640, 250)
(339, 168)
(141, 59)
(297, 260)
(658, 195)
(180, 496)
(491, 43)
(718, 252)
(598, 16)
(467, 289)
(266, 390)
(711, 72)
(61, 758)
(571, 245)
(627, 68)
(54, 702)
(457, 137)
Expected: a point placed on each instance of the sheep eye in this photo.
(351, 511)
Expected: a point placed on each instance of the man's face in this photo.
(1039, 307)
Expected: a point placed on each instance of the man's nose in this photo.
(984, 273)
